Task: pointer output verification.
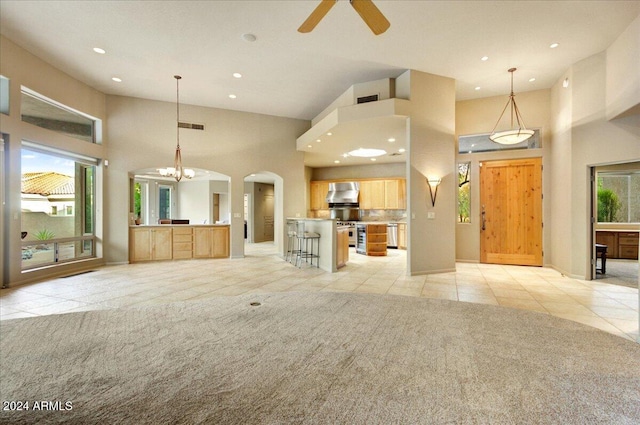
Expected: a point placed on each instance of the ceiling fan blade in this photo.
(371, 15)
(316, 16)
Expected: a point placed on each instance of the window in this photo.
(164, 198)
(475, 143)
(619, 197)
(464, 192)
(4, 95)
(37, 110)
(52, 184)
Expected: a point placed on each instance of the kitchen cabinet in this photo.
(376, 239)
(342, 247)
(372, 194)
(395, 197)
(620, 244)
(167, 242)
(402, 235)
(211, 242)
(182, 243)
(318, 194)
(150, 243)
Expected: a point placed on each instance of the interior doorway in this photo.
(511, 212)
(615, 211)
(263, 211)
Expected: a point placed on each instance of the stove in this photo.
(352, 230)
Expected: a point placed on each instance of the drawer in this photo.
(182, 238)
(181, 231)
(181, 255)
(628, 252)
(627, 241)
(182, 246)
(633, 235)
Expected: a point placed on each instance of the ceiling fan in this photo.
(368, 11)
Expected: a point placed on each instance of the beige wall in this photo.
(623, 73)
(479, 116)
(24, 69)
(594, 141)
(431, 152)
(142, 135)
(398, 169)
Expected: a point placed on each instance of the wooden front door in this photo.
(511, 212)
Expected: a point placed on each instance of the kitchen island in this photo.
(178, 241)
(328, 229)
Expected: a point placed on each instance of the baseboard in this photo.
(425, 272)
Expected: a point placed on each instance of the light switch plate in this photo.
(431, 215)
(237, 215)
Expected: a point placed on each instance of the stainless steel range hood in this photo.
(343, 195)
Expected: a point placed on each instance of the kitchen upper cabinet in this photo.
(372, 194)
(150, 243)
(318, 194)
(395, 197)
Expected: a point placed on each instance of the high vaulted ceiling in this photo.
(287, 73)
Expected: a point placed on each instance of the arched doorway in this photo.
(263, 213)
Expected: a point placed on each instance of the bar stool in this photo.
(291, 242)
(305, 245)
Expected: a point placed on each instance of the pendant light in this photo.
(515, 135)
(177, 171)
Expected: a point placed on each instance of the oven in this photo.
(352, 231)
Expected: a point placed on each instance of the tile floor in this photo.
(611, 308)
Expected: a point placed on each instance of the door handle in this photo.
(484, 218)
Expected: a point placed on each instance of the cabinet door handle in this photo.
(484, 218)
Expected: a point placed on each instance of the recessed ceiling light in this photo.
(336, 162)
(531, 80)
(116, 79)
(391, 140)
(318, 140)
(249, 37)
(344, 155)
(402, 150)
(484, 58)
(373, 159)
(99, 50)
(478, 88)
(367, 153)
(253, 175)
(232, 96)
(565, 83)
(309, 146)
(329, 134)
(237, 75)
(553, 45)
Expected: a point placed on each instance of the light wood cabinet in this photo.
(372, 194)
(182, 243)
(150, 243)
(211, 242)
(402, 236)
(318, 194)
(221, 247)
(380, 194)
(166, 242)
(377, 239)
(395, 197)
(342, 247)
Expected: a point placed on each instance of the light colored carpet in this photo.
(318, 358)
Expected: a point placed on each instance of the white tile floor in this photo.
(608, 307)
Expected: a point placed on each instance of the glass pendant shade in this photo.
(511, 137)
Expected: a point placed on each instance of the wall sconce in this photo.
(434, 182)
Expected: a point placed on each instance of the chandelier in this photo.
(177, 171)
(515, 135)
